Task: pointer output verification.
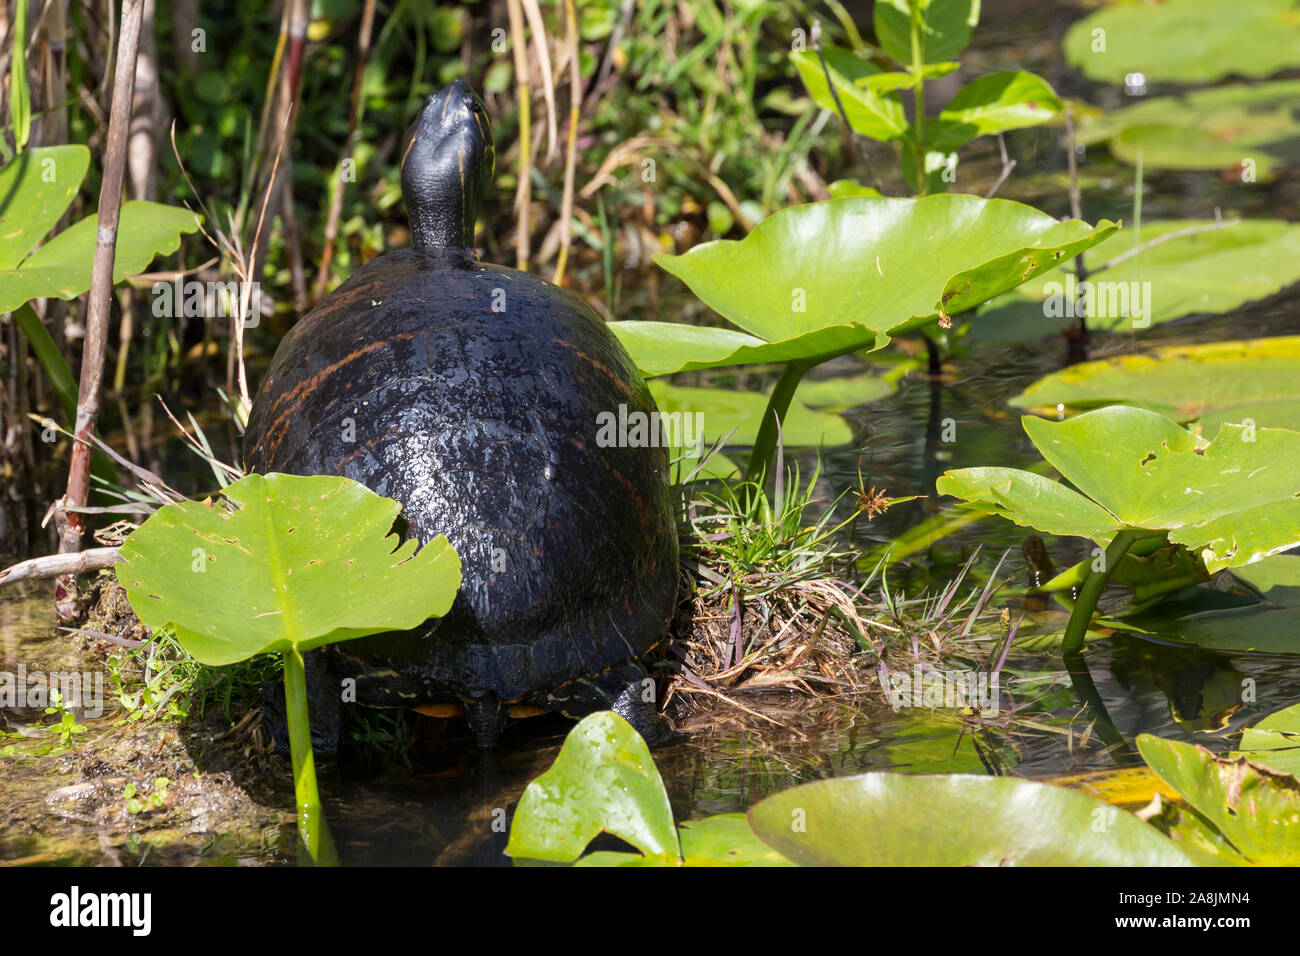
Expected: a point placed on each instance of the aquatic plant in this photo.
(923, 37)
(1142, 478)
(814, 282)
(283, 564)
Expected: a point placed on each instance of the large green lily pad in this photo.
(815, 281)
(1248, 130)
(1206, 272)
(1233, 501)
(1255, 379)
(1187, 41)
(1255, 808)
(282, 561)
(889, 819)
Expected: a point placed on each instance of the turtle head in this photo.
(448, 159)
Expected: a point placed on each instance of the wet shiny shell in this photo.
(483, 424)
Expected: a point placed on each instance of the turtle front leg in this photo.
(626, 689)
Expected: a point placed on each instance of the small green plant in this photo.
(921, 38)
(157, 797)
(1141, 481)
(283, 564)
(67, 728)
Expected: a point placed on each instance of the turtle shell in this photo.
(473, 395)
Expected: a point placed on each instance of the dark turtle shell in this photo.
(472, 393)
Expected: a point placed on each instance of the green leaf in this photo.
(51, 359)
(1275, 740)
(889, 819)
(36, 188)
(1256, 809)
(1186, 41)
(1208, 272)
(1232, 501)
(61, 268)
(1030, 500)
(1245, 129)
(946, 27)
(20, 95)
(844, 188)
(995, 103)
(603, 781)
(871, 112)
(827, 278)
(724, 410)
(282, 562)
(1213, 383)
(725, 840)
(839, 394)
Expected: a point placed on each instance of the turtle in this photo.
(492, 405)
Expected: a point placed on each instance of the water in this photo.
(450, 805)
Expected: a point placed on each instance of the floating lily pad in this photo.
(838, 394)
(1186, 41)
(815, 281)
(1250, 130)
(1207, 272)
(725, 410)
(1256, 380)
(890, 819)
(1232, 501)
(1275, 741)
(1256, 809)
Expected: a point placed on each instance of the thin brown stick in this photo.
(571, 151)
(349, 144)
(101, 291)
(57, 565)
(1008, 165)
(524, 188)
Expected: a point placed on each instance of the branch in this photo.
(54, 565)
(1219, 223)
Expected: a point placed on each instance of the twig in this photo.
(816, 34)
(1007, 165)
(570, 155)
(57, 565)
(1219, 223)
(100, 297)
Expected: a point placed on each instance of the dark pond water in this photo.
(449, 808)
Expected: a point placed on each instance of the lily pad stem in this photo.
(312, 829)
(778, 403)
(1090, 593)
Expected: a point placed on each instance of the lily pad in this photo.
(727, 410)
(1255, 379)
(815, 281)
(1275, 741)
(1232, 501)
(1250, 130)
(839, 394)
(280, 562)
(603, 781)
(1256, 809)
(1206, 272)
(888, 819)
(1186, 41)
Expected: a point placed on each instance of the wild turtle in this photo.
(475, 395)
